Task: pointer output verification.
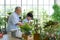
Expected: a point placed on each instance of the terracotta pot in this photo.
(36, 37)
(1, 35)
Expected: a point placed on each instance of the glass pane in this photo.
(52, 2)
(51, 10)
(40, 2)
(46, 2)
(19, 5)
(8, 9)
(1, 10)
(8, 2)
(1, 2)
(29, 2)
(24, 9)
(40, 10)
(35, 11)
(29, 8)
(13, 8)
(18, 2)
(24, 2)
(34, 2)
(46, 8)
(13, 1)
(40, 7)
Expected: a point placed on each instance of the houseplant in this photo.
(51, 28)
(2, 21)
(26, 28)
(1, 24)
(56, 15)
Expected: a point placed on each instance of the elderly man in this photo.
(13, 23)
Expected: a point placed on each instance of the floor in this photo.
(6, 37)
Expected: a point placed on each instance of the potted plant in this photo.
(1, 23)
(36, 34)
(56, 15)
(1, 34)
(26, 29)
(51, 28)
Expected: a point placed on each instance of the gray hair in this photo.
(17, 8)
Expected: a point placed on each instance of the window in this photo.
(36, 5)
(1, 7)
(1, 2)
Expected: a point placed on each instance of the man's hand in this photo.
(20, 24)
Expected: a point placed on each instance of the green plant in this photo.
(2, 21)
(9, 13)
(56, 14)
(51, 26)
(26, 28)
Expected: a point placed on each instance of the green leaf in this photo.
(56, 14)
(26, 27)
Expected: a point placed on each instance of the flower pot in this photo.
(25, 36)
(1, 35)
(36, 37)
(30, 37)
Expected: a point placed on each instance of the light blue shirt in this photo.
(12, 21)
(25, 20)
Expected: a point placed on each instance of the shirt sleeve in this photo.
(15, 19)
(25, 21)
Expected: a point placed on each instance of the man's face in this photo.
(18, 11)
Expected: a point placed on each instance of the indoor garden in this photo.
(45, 24)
